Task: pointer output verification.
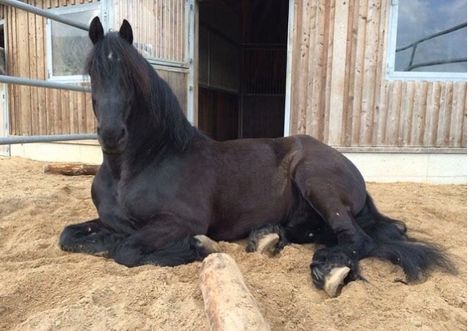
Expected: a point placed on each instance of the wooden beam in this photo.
(340, 37)
(228, 302)
(71, 169)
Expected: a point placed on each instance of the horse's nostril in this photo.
(122, 133)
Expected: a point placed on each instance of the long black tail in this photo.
(414, 256)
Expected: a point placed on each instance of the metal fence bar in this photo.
(414, 45)
(435, 63)
(45, 138)
(42, 83)
(438, 34)
(45, 13)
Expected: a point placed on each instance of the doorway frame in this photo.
(5, 129)
(290, 45)
(193, 115)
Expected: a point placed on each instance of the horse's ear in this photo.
(126, 32)
(96, 30)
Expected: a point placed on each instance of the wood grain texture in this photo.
(33, 110)
(228, 302)
(376, 112)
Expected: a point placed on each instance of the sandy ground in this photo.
(43, 288)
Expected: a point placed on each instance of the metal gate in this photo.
(171, 53)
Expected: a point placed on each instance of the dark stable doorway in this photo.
(242, 68)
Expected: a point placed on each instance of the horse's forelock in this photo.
(126, 64)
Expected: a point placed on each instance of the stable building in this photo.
(382, 81)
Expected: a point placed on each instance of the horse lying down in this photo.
(164, 189)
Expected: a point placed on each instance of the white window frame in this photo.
(391, 74)
(101, 6)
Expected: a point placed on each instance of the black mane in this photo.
(134, 73)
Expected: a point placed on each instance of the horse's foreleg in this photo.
(166, 242)
(89, 237)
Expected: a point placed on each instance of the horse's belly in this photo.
(237, 217)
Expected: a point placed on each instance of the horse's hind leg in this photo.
(89, 237)
(352, 244)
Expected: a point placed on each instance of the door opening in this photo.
(242, 68)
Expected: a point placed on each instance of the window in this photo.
(428, 39)
(68, 46)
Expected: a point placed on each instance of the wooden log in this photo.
(71, 169)
(229, 304)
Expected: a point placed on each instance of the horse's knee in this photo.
(129, 257)
(132, 253)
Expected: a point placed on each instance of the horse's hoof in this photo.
(334, 280)
(206, 245)
(267, 244)
(331, 269)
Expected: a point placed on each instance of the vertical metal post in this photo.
(190, 23)
(290, 43)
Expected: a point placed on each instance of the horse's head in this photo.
(112, 88)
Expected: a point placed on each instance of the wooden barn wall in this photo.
(36, 110)
(340, 93)
(159, 33)
(158, 26)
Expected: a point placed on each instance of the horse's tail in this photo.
(414, 256)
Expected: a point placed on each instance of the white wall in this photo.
(375, 167)
(84, 152)
(422, 168)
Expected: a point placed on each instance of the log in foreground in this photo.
(71, 169)
(229, 304)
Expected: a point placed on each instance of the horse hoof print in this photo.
(334, 280)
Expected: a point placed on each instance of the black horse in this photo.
(162, 182)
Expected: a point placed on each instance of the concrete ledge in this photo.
(87, 152)
(445, 168)
(421, 168)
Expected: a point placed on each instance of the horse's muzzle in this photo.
(113, 141)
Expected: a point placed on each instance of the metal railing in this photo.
(414, 45)
(43, 83)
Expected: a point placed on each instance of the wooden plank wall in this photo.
(375, 112)
(159, 24)
(159, 33)
(36, 110)
(48, 111)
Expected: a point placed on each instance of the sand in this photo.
(44, 288)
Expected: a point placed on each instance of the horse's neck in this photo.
(137, 155)
(115, 165)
